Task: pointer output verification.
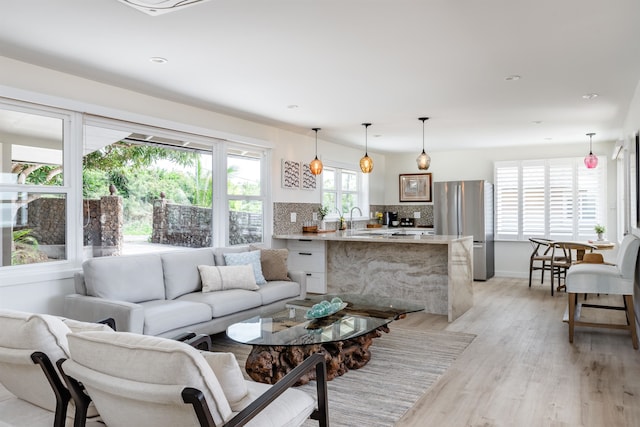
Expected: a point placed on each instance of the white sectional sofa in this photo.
(162, 294)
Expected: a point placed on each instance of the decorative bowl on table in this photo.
(325, 308)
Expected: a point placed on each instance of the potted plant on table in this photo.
(599, 231)
(322, 212)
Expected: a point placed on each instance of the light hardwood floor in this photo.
(521, 370)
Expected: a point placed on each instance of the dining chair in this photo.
(605, 278)
(541, 255)
(562, 259)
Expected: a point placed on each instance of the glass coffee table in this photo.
(281, 341)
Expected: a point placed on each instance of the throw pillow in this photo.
(252, 258)
(229, 375)
(219, 278)
(273, 262)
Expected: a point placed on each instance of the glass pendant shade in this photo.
(366, 163)
(316, 164)
(423, 160)
(590, 161)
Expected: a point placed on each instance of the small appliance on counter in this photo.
(407, 222)
(390, 219)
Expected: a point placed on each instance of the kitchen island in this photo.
(434, 270)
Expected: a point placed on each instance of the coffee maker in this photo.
(390, 219)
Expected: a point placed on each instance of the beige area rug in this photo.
(403, 366)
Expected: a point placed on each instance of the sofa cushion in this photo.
(218, 253)
(252, 258)
(218, 278)
(278, 290)
(164, 315)
(133, 278)
(273, 262)
(223, 303)
(180, 270)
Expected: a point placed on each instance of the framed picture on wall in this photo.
(290, 174)
(415, 187)
(308, 179)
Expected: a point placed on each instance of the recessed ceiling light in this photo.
(293, 106)
(158, 60)
(512, 77)
(590, 95)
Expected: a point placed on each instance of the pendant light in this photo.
(423, 159)
(366, 163)
(590, 161)
(316, 165)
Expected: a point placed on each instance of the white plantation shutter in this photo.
(556, 198)
(533, 198)
(507, 191)
(590, 209)
(561, 196)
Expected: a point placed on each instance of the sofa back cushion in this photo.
(134, 278)
(181, 275)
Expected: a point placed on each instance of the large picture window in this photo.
(557, 198)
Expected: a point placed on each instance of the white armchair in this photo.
(613, 279)
(30, 344)
(146, 380)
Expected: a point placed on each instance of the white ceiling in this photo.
(345, 62)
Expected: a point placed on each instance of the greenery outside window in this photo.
(246, 196)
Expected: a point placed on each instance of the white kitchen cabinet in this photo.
(309, 256)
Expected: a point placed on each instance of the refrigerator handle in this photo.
(458, 210)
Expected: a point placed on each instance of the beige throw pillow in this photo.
(229, 375)
(274, 263)
(219, 278)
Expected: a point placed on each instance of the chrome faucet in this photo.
(351, 216)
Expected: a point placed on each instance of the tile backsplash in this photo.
(304, 213)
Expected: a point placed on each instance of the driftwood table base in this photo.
(268, 364)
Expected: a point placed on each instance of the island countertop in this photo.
(374, 236)
(436, 270)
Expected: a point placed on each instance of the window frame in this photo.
(362, 192)
(520, 233)
(265, 193)
(71, 163)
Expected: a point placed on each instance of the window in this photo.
(556, 199)
(343, 189)
(34, 184)
(246, 196)
(147, 189)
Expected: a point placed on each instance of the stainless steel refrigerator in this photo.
(465, 208)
